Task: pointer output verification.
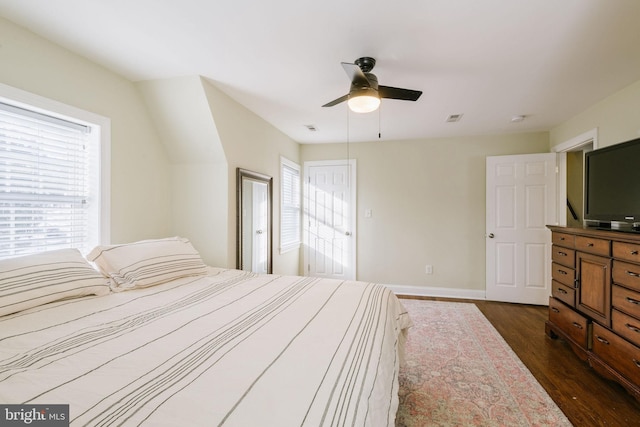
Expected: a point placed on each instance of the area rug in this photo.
(460, 372)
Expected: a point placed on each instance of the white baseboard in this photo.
(437, 292)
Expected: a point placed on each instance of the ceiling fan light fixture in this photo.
(364, 104)
(365, 93)
(364, 100)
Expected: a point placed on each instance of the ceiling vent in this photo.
(454, 118)
(312, 128)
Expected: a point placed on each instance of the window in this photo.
(51, 195)
(290, 205)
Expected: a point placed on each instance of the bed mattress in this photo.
(228, 348)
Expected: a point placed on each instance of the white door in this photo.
(330, 241)
(521, 202)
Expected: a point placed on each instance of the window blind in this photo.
(290, 206)
(44, 182)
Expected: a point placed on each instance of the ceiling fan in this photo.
(365, 93)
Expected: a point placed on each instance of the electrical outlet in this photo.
(429, 269)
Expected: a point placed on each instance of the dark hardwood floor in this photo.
(586, 398)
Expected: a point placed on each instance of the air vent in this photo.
(454, 118)
(311, 128)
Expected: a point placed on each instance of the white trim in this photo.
(293, 165)
(97, 122)
(577, 141)
(437, 292)
(561, 185)
(105, 181)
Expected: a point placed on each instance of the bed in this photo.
(149, 335)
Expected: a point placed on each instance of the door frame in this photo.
(578, 142)
(351, 163)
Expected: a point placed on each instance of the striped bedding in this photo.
(229, 348)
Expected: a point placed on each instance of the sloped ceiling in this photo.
(487, 60)
(181, 113)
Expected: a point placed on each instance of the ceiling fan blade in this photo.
(337, 101)
(398, 93)
(356, 75)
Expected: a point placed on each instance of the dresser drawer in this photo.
(562, 274)
(617, 353)
(626, 251)
(593, 245)
(570, 322)
(626, 300)
(626, 274)
(563, 256)
(564, 293)
(563, 239)
(626, 326)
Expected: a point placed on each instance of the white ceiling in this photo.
(486, 59)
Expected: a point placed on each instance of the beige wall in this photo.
(208, 136)
(427, 197)
(616, 117)
(140, 202)
(198, 170)
(428, 203)
(251, 143)
(167, 178)
(575, 170)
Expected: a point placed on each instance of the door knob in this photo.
(491, 235)
(258, 231)
(347, 233)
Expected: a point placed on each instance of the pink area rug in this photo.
(461, 372)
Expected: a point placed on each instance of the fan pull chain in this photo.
(348, 154)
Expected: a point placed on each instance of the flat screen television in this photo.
(612, 186)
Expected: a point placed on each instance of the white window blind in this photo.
(45, 183)
(290, 205)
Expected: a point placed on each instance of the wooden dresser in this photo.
(595, 305)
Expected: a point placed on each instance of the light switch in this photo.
(368, 213)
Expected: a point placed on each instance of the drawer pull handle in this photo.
(602, 340)
(555, 310)
(632, 274)
(634, 252)
(636, 362)
(562, 253)
(561, 238)
(577, 325)
(590, 244)
(562, 291)
(632, 301)
(633, 328)
(562, 272)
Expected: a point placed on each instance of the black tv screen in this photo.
(612, 183)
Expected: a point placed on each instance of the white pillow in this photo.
(32, 280)
(148, 262)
